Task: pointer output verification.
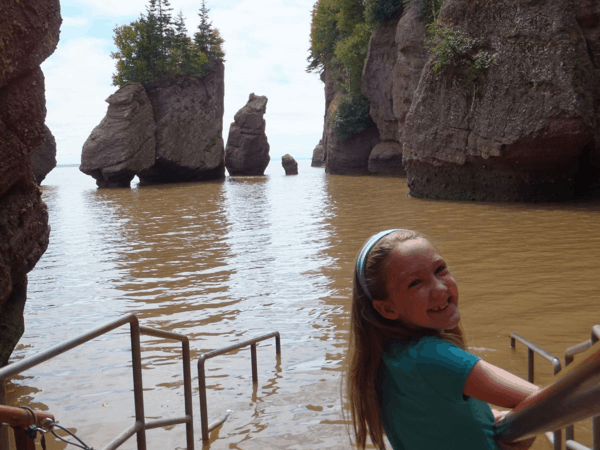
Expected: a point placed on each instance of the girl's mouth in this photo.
(442, 306)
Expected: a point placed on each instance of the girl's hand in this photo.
(519, 445)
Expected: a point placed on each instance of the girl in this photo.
(409, 374)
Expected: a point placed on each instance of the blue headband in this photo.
(364, 254)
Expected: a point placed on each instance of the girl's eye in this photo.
(441, 269)
(414, 283)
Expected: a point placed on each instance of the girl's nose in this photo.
(440, 286)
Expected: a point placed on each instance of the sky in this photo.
(266, 46)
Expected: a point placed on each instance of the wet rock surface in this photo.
(123, 144)
(43, 158)
(289, 164)
(247, 151)
(29, 32)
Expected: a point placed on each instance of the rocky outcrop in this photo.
(247, 151)
(391, 74)
(524, 131)
(351, 156)
(318, 156)
(29, 31)
(123, 144)
(170, 131)
(289, 165)
(189, 129)
(43, 158)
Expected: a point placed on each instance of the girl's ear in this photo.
(386, 308)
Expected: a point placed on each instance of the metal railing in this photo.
(570, 430)
(140, 426)
(206, 428)
(531, 350)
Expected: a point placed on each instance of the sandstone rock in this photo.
(349, 157)
(521, 131)
(289, 164)
(189, 129)
(43, 158)
(386, 159)
(123, 144)
(411, 58)
(28, 34)
(378, 80)
(318, 157)
(247, 151)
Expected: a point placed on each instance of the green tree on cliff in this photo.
(157, 47)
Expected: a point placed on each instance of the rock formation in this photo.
(29, 31)
(43, 158)
(349, 157)
(170, 131)
(189, 129)
(247, 151)
(318, 156)
(527, 129)
(289, 165)
(123, 144)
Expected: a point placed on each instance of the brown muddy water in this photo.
(226, 261)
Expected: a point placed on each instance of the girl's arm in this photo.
(494, 385)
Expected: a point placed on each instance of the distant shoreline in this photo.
(77, 165)
(67, 165)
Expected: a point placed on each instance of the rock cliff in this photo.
(29, 31)
(170, 131)
(350, 156)
(43, 158)
(527, 128)
(247, 151)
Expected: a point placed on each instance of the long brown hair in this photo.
(370, 334)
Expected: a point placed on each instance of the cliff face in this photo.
(168, 132)
(349, 157)
(525, 129)
(29, 31)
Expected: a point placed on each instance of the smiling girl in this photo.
(409, 374)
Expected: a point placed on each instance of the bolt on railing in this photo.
(140, 426)
(569, 357)
(206, 428)
(531, 350)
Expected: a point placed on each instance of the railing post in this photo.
(138, 389)
(202, 394)
(254, 364)
(530, 365)
(187, 388)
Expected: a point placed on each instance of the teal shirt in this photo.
(423, 407)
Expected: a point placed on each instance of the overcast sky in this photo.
(266, 46)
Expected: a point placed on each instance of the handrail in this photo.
(206, 428)
(140, 425)
(569, 357)
(531, 348)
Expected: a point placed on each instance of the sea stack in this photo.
(247, 151)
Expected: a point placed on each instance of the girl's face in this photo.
(422, 291)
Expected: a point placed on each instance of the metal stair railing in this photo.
(140, 426)
(570, 430)
(206, 428)
(556, 437)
